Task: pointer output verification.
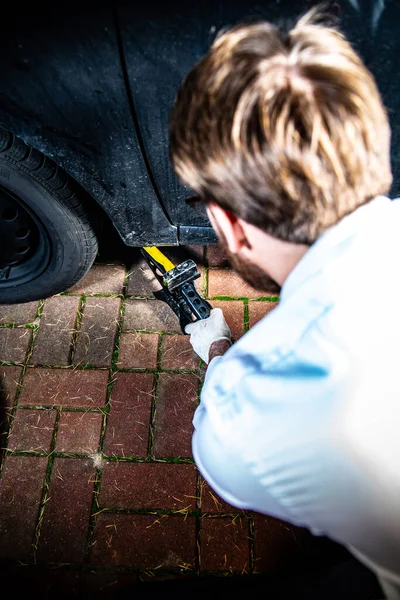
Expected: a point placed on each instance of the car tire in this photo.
(47, 238)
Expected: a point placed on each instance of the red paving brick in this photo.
(210, 502)
(177, 353)
(128, 423)
(148, 541)
(61, 387)
(79, 432)
(57, 324)
(14, 343)
(122, 540)
(101, 279)
(258, 310)
(96, 336)
(234, 315)
(19, 314)
(148, 486)
(225, 544)
(151, 315)
(32, 430)
(65, 526)
(225, 282)
(138, 351)
(175, 406)
(217, 257)
(20, 494)
(277, 544)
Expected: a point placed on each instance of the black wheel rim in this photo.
(24, 244)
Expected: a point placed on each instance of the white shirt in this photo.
(300, 419)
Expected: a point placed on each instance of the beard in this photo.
(248, 271)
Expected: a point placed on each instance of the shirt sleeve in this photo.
(207, 451)
(228, 476)
(260, 434)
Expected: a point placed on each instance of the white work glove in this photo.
(205, 332)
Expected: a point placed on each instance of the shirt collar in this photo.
(330, 244)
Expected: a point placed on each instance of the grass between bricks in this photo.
(11, 414)
(152, 424)
(45, 490)
(78, 324)
(246, 315)
(33, 325)
(101, 457)
(93, 294)
(244, 298)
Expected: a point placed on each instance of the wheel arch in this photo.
(118, 206)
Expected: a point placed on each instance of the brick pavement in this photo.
(98, 486)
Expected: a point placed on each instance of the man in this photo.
(285, 140)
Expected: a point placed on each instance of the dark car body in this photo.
(91, 85)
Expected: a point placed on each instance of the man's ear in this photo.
(227, 224)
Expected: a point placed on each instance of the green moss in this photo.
(246, 315)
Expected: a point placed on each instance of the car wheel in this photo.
(47, 240)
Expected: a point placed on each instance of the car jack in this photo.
(177, 288)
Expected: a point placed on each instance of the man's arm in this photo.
(211, 338)
(218, 348)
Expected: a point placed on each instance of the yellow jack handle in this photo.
(159, 257)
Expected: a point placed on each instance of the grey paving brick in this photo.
(141, 281)
(96, 337)
(19, 314)
(138, 351)
(32, 430)
(101, 279)
(52, 345)
(151, 315)
(14, 343)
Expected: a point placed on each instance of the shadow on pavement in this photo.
(347, 580)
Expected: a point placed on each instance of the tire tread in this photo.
(57, 182)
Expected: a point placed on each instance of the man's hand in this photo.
(205, 332)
